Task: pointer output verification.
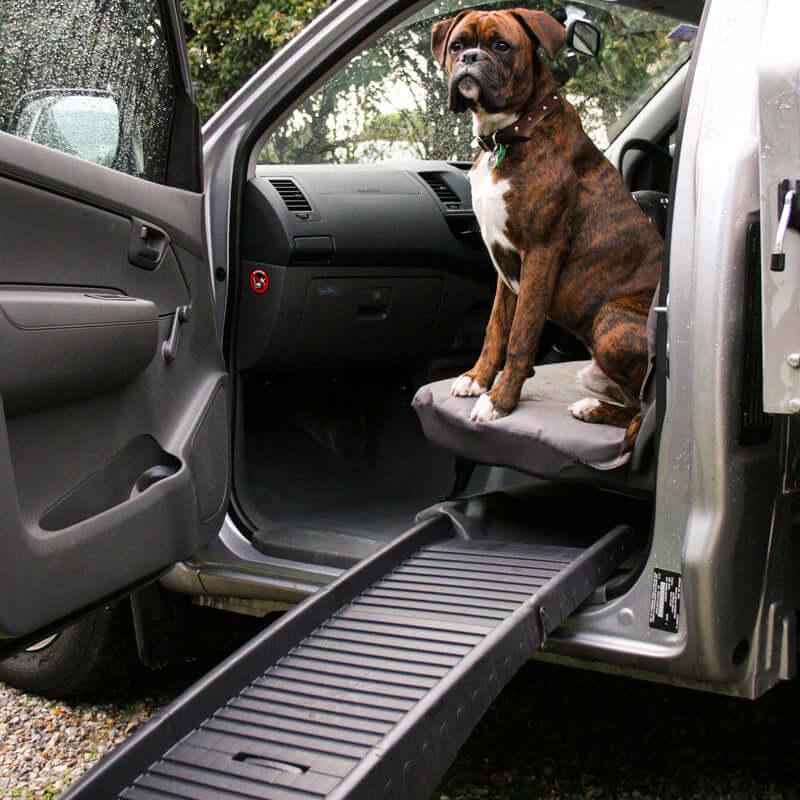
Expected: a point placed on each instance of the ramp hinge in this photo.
(542, 626)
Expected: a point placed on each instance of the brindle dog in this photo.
(567, 239)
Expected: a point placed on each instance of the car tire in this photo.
(93, 654)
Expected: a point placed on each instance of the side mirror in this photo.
(583, 37)
(81, 122)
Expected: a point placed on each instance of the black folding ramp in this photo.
(369, 687)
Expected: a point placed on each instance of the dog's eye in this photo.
(455, 47)
(501, 46)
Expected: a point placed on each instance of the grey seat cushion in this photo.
(539, 437)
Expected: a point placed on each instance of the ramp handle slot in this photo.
(260, 761)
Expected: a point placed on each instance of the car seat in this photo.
(540, 437)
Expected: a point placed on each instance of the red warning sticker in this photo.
(259, 281)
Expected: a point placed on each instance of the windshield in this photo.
(390, 101)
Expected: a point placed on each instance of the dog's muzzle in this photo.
(473, 80)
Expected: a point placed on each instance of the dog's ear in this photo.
(440, 36)
(542, 28)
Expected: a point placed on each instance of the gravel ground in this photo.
(47, 744)
(553, 733)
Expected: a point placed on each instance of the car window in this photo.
(92, 79)
(390, 101)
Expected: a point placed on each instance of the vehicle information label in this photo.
(665, 600)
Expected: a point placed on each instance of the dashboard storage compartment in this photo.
(367, 317)
(315, 316)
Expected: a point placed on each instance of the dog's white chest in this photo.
(488, 202)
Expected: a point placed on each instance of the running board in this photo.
(369, 687)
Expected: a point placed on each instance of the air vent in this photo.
(445, 194)
(290, 194)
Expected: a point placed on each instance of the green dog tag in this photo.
(498, 155)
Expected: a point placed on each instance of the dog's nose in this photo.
(473, 56)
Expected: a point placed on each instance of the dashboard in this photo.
(356, 264)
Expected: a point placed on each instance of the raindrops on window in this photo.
(390, 102)
(91, 78)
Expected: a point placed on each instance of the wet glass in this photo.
(390, 101)
(91, 78)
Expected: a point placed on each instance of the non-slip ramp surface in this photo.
(376, 701)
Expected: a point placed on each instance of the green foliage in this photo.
(390, 100)
(635, 59)
(230, 39)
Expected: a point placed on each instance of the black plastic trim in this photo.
(8, 647)
(185, 156)
(755, 427)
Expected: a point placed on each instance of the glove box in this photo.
(312, 319)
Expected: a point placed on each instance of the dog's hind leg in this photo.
(595, 380)
(619, 337)
(590, 409)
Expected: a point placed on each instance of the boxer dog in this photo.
(566, 237)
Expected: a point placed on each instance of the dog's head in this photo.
(492, 56)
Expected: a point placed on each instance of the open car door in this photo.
(779, 165)
(113, 391)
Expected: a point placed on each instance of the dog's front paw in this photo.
(485, 410)
(464, 386)
(582, 409)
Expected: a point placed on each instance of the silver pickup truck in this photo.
(211, 340)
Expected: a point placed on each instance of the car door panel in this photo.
(40, 221)
(175, 210)
(114, 426)
(52, 340)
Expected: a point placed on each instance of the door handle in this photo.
(147, 245)
(787, 218)
(170, 348)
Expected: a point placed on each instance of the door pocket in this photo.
(132, 471)
(59, 345)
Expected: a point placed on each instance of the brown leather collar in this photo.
(521, 129)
